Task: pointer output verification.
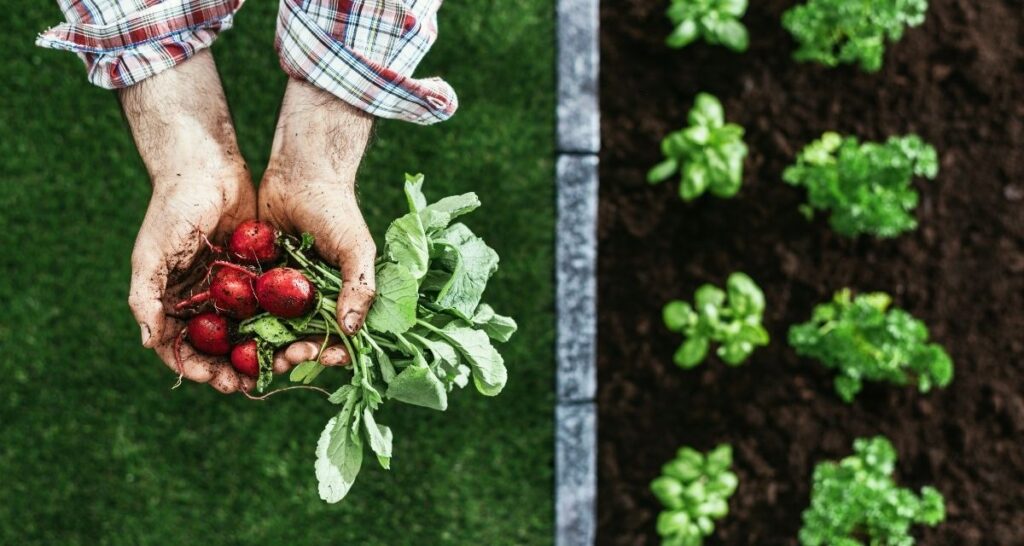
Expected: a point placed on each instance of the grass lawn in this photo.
(97, 450)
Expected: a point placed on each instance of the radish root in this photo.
(271, 393)
(177, 358)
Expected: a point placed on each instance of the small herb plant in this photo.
(866, 187)
(709, 153)
(834, 32)
(731, 318)
(717, 21)
(694, 489)
(866, 341)
(855, 502)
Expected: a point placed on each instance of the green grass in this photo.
(95, 447)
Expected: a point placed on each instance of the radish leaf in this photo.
(471, 263)
(405, 243)
(394, 310)
(417, 385)
(339, 455)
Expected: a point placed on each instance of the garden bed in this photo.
(955, 81)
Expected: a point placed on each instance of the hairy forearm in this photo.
(180, 121)
(319, 137)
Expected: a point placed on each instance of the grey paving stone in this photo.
(579, 126)
(576, 475)
(575, 276)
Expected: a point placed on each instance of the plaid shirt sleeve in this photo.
(364, 52)
(123, 42)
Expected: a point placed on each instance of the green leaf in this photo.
(732, 34)
(441, 350)
(669, 491)
(694, 182)
(438, 215)
(414, 192)
(417, 385)
(387, 369)
(745, 297)
(379, 437)
(692, 352)
(489, 373)
(471, 263)
(719, 459)
(265, 357)
(341, 395)
(736, 8)
(394, 310)
(678, 316)
(707, 111)
(268, 328)
(735, 352)
(406, 244)
(305, 372)
(498, 327)
(684, 34)
(672, 523)
(662, 171)
(339, 456)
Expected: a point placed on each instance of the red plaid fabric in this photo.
(362, 51)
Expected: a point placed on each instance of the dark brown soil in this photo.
(958, 81)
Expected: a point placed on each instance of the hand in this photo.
(201, 188)
(309, 186)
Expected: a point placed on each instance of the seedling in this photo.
(694, 488)
(832, 32)
(866, 188)
(855, 502)
(709, 153)
(731, 318)
(866, 341)
(716, 21)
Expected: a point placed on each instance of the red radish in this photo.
(285, 292)
(231, 290)
(254, 242)
(244, 358)
(209, 333)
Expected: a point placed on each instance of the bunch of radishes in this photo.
(238, 291)
(427, 333)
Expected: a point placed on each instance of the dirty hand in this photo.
(201, 188)
(309, 186)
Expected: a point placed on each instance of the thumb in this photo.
(356, 261)
(149, 280)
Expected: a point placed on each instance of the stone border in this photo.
(578, 142)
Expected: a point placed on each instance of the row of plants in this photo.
(852, 501)
(864, 188)
(830, 32)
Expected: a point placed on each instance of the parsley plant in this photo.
(709, 153)
(694, 488)
(717, 21)
(866, 341)
(855, 502)
(866, 187)
(730, 317)
(832, 32)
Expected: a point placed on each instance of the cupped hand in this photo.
(309, 186)
(169, 261)
(202, 189)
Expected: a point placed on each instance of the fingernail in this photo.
(352, 322)
(145, 332)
